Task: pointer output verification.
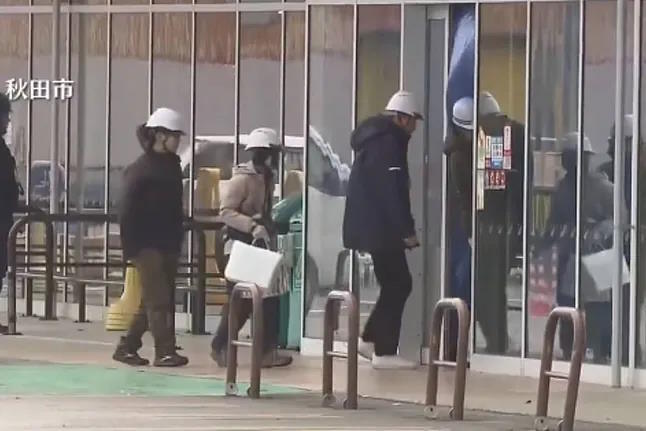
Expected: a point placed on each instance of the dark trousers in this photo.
(270, 308)
(157, 272)
(491, 289)
(384, 324)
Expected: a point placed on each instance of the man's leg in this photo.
(128, 346)
(156, 296)
(384, 325)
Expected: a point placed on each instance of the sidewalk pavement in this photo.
(66, 342)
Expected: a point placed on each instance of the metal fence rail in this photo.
(197, 290)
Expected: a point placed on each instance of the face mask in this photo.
(172, 143)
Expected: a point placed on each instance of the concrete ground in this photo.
(65, 342)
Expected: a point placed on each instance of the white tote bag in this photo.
(264, 268)
(597, 273)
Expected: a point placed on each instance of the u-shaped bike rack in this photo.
(331, 323)
(573, 377)
(460, 365)
(239, 291)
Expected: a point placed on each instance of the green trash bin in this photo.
(287, 216)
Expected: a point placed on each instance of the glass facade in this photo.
(541, 209)
(552, 185)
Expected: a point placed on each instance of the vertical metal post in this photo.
(618, 237)
(526, 194)
(236, 91)
(68, 119)
(282, 102)
(54, 186)
(579, 178)
(636, 150)
(29, 297)
(53, 150)
(106, 184)
(474, 184)
(306, 134)
(50, 260)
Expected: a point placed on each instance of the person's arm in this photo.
(232, 197)
(8, 183)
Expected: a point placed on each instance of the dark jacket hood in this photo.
(373, 128)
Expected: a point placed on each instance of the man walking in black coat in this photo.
(9, 189)
(378, 220)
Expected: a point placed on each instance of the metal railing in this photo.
(198, 291)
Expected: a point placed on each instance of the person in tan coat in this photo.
(245, 209)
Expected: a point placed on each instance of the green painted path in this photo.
(84, 380)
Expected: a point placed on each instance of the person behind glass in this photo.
(499, 223)
(151, 218)
(9, 189)
(245, 209)
(378, 220)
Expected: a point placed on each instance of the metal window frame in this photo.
(527, 145)
(305, 207)
(353, 124)
(579, 176)
(108, 141)
(68, 144)
(638, 33)
(474, 174)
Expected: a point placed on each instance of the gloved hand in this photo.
(259, 232)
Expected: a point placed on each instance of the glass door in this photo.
(426, 30)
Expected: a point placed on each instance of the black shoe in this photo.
(129, 358)
(4, 330)
(220, 357)
(172, 360)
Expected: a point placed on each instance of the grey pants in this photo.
(157, 272)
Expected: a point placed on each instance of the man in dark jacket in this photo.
(8, 189)
(499, 218)
(151, 217)
(378, 220)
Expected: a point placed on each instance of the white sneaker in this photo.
(392, 362)
(366, 349)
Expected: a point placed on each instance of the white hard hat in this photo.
(404, 102)
(628, 128)
(262, 137)
(570, 142)
(463, 109)
(166, 118)
(487, 104)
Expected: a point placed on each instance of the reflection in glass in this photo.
(14, 64)
(378, 55)
(641, 252)
(128, 94)
(598, 178)
(41, 129)
(552, 191)
(329, 155)
(260, 53)
(87, 134)
(128, 97)
(171, 75)
(215, 100)
(500, 174)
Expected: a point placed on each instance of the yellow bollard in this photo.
(121, 313)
